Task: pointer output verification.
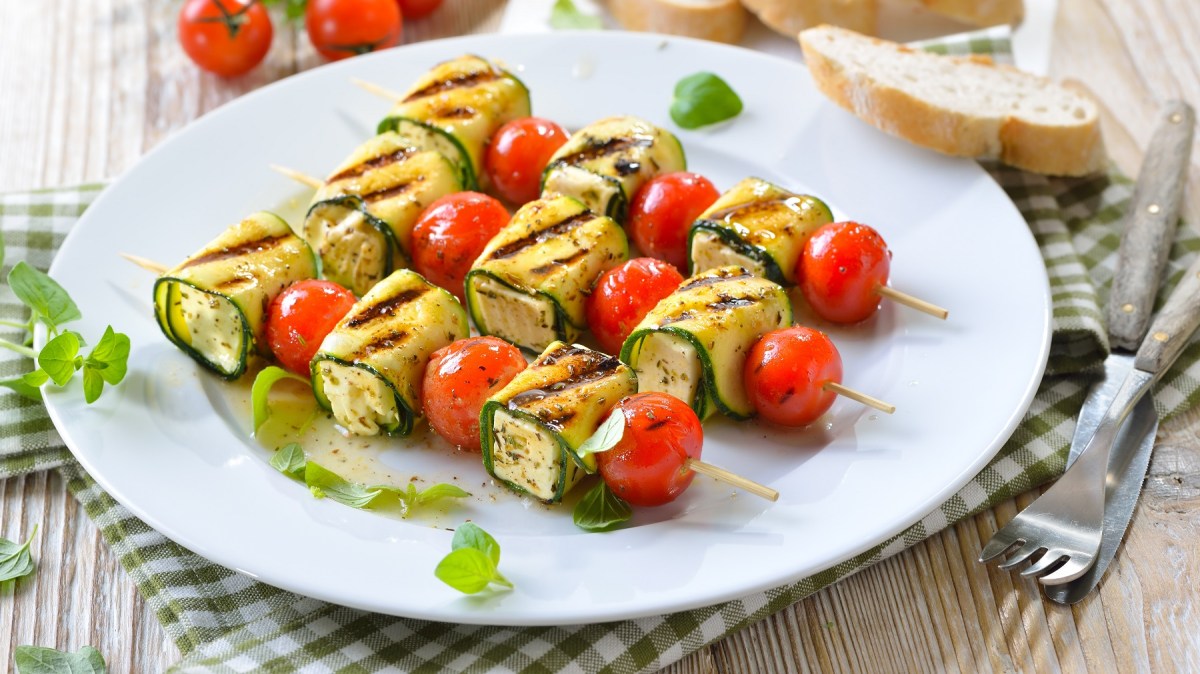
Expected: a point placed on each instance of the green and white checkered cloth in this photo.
(226, 622)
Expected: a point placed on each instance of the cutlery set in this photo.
(1078, 523)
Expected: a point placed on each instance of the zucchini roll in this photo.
(603, 164)
(369, 369)
(529, 284)
(530, 429)
(757, 225)
(693, 344)
(212, 305)
(456, 107)
(360, 222)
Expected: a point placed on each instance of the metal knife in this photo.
(1142, 257)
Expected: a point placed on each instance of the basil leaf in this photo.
(23, 388)
(261, 391)
(469, 535)
(566, 16)
(110, 357)
(607, 435)
(36, 378)
(93, 385)
(39, 660)
(323, 482)
(15, 560)
(290, 461)
(467, 570)
(48, 300)
(58, 357)
(702, 99)
(601, 510)
(437, 492)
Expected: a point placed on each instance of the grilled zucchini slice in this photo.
(531, 428)
(603, 164)
(757, 225)
(456, 107)
(529, 284)
(369, 369)
(212, 305)
(693, 344)
(360, 222)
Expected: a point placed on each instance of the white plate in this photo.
(170, 447)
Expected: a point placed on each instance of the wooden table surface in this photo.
(89, 86)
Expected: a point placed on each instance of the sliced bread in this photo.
(965, 106)
(789, 17)
(719, 20)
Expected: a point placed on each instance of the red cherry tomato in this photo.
(648, 465)
(225, 37)
(416, 9)
(300, 317)
(459, 378)
(841, 270)
(786, 371)
(341, 28)
(517, 155)
(451, 233)
(663, 210)
(624, 295)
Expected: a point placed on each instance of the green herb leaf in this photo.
(566, 16)
(15, 560)
(704, 99)
(338, 488)
(469, 535)
(607, 435)
(601, 510)
(23, 388)
(437, 492)
(39, 660)
(58, 357)
(261, 391)
(48, 300)
(36, 378)
(467, 570)
(110, 357)
(93, 385)
(290, 460)
(293, 8)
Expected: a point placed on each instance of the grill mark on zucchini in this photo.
(388, 192)
(557, 229)
(711, 280)
(749, 209)
(460, 112)
(595, 150)
(373, 163)
(455, 82)
(389, 340)
(731, 302)
(588, 366)
(561, 262)
(247, 248)
(386, 308)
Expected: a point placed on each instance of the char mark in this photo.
(596, 148)
(239, 250)
(561, 262)
(749, 209)
(385, 309)
(384, 342)
(713, 280)
(731, 303)
(454, 82)
(373, 163)
(387, 192)
(557, 229)
(459, 112)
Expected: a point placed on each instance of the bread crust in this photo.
(720, 21)
(789, 17)
(980, 13)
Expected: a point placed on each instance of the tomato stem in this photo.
(233, 21)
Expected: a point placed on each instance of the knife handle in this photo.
(1173, 326)
(1149, 226)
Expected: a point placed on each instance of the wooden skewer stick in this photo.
(863, 398)
(148, 265)
(731, 479)
(913, 302)
(302, 178)
(378, 90)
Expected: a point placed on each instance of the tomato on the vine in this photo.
(624, 295)
(663, 210)
(342, 28)
(450, 233)
(225, 37)
(649, 464)
(300, 317)
(416, 9)
(517, 155)
(841, 270)
(459, 379)
(786, 372)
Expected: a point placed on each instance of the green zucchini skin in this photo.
(761, 221)
(390, 334)
(552, 251)
(720, 313)
(361, 220)
(604, 163)
(567, 391)
(456, 107)
(238, 273)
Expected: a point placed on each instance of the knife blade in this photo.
(1141, 258)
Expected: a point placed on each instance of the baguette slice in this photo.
(982, 13)
(789, 17)
(717, 20)
(964, 106)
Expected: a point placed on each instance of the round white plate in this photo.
(170, 446)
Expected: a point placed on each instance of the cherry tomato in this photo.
(648, 465)
(416, 9)
(451, 233)
(341, 28)
(624, 295)
(841, 270)
(663, 211)
(786, 372)
(517, 155)
(300, 317)
(459, 378)
(225, 37)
